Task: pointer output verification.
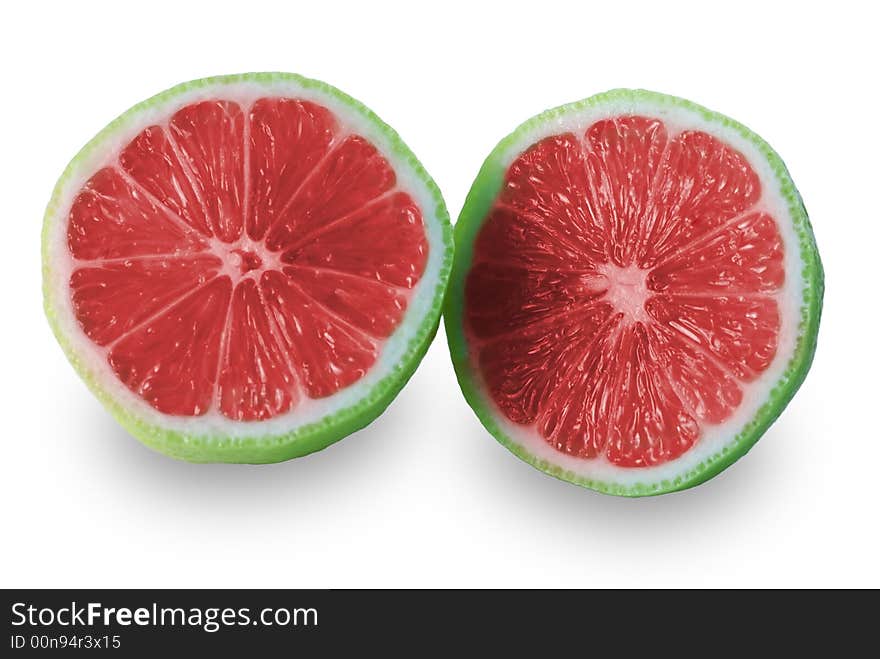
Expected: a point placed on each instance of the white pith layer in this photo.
(213, 424)
(714, 438)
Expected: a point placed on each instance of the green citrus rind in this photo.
(304, 439)
(481, 196)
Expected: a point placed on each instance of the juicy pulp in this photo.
(623, 290)
(243, 258)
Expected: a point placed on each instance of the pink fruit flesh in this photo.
(623, 290)
(243, 258)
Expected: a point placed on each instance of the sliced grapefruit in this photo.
(245, 268)
(636, 292)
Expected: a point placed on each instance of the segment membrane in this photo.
(741, 332)
(353, 174)
(707, 391)
(111, 218)
(577, 416)
(547, 186)
(330, 353)
(288, 138)
(703, 183)
(384, 242)
(525, 371)
(745, 257)
(209, 137)
(649, 424)
(370, 306)
(112, 298)
(622, 162)
(255, 378)
(152, 162)
(171, 361)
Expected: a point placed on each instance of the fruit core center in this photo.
(246, 260)
(627, 290)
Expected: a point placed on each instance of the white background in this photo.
(424, 496)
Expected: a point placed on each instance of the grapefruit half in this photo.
(636, 292)
(245, 268)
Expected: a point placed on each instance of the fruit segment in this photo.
(745, 256)
(255, 376)
(623, 289)
(369, 305)
(153, 164)
(171, 360)
(623, 157)
(209, 138)
(287, 139)
(330, 352)
(113, 218)
(545, 203)
(384, 242)
(702, 184)
(111, 298)
(242, 258)
(349, 177)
